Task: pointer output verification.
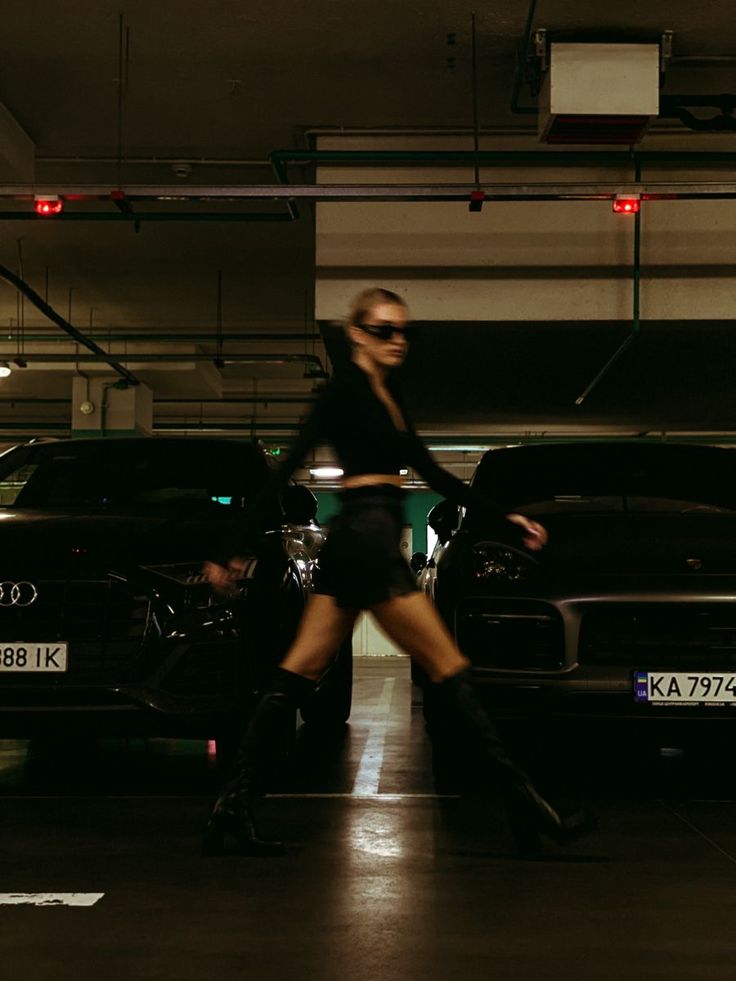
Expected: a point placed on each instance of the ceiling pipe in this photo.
(237, 400)
(265, 163)
(449, 445)
(522, 58)
(136, 217)
(498, 158)
(115, 334)
(527, 191)
(48, 311)
(312, 363)
(724, 122)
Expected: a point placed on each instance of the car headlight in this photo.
(498, 564)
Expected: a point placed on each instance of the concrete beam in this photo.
(17, 149)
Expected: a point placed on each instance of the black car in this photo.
(106, 623)
(630, 610)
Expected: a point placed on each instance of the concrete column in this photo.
(102, 406)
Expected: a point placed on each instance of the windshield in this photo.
(131, 473)
(609, 477)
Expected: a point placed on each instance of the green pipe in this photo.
(495, 440)
(76, 335)
(310, 361)
(500, 158)
(636, 291)
(283, 178)
(500, 440)
(39, 425)
(137, 217)
(521, 59)
(114, 335)
(637, 259)
(271, 427)
(246, 400)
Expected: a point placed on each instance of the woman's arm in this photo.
(533, 535)
(312, 432)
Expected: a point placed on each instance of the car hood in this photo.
(94, 544)
(655, 543)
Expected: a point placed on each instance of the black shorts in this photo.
(361, 562)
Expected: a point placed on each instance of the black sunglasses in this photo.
(384, 332)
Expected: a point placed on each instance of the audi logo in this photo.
(17, 593)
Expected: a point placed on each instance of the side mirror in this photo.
(299, 504)
(418, 561)
(443, 520)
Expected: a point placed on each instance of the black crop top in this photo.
(350, 416)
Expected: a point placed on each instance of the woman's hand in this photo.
(535, 535)
(223, 578)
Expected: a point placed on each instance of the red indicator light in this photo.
(626, 206)
(476, 200)
(48, 206)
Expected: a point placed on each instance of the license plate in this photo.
(20, 656)
(681, 688)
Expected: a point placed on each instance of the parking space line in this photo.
(368, 776)
(693, 827)
(50, 898)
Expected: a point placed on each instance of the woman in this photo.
(362, 414)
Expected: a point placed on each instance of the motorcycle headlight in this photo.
(498, 564)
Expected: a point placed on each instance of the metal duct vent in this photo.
(597, 129)
(599, 93)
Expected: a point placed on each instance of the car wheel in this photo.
(330, 705)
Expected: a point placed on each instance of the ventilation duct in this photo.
(599, 93)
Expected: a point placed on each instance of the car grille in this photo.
(515, 635)
(104, 622)
(207, 670)
(664, 635)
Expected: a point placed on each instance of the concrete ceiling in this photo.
(221, 86)
(239, 79)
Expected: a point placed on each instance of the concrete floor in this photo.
(382, 879)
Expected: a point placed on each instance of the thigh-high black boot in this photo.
(265, 736)
(530, 815)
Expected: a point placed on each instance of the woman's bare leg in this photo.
(413, 623)
(322, 629)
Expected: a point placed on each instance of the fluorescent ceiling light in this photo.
(326, 471)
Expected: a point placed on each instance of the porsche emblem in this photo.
(694, 564)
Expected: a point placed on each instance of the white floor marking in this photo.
(50, 898)
(361, 796)
(368, 776)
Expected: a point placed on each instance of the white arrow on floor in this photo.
(50, 898)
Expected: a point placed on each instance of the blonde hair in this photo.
(367, 299)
